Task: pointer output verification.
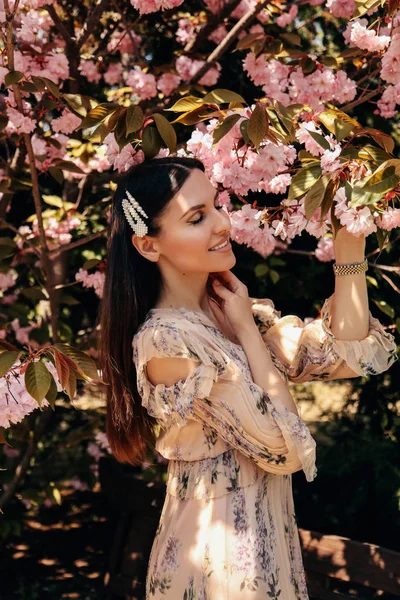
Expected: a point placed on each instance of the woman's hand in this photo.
(232, 306)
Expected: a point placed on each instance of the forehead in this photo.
(197, 189)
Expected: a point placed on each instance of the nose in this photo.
(224, 222)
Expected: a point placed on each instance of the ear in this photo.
(147, 246)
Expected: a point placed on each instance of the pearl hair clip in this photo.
(131, 209)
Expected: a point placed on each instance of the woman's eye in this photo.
(201, 218)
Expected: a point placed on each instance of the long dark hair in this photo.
(132, 286)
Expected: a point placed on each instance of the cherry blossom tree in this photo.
(292, 107)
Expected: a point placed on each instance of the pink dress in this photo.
(228, 526)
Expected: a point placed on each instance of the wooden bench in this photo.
(338, 568)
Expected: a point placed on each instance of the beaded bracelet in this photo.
(351, 268)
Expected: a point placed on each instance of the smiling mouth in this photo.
(219, 247)
(225, 243)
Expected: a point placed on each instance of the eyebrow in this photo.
(198, 206)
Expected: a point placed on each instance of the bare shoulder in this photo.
(169, 370)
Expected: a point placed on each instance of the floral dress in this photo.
(228, 528)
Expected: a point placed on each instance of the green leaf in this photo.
(248, 40)
(34, 293)
(330, 116)
(385, 308)
(186, 104)
(384, 140)
(382, 237)
(13, 77)
(303, 180)
(261, 270)
(327, 199)
(274, 275)
(51, 395)
(372, 281)
(320, 140)
(91, 263)
(98, 114)
(57, 174)
(224, 127)
(85, 363)
(243, 130)
(258, 125)
(292, 38)
(79, 103)
(221, 96)
(151, 141)
(37, 380)
(7, 359)
(342, 129)
(166, 131)
(134, 119)
(315, 196)
(369, 152)
(67, 165)
(371, 189)
(53, 200)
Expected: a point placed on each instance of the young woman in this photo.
(183, 347)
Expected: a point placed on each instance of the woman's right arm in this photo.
(263, 370)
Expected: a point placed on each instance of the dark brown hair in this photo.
(132, 286)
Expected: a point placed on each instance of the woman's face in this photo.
(192, 224)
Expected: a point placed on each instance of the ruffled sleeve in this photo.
(307, 352)
(217, 394)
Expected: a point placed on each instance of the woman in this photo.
(210, 367)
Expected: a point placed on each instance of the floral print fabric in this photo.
(228, 528)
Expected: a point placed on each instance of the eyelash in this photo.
(202, 217)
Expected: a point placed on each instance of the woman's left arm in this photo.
(349, 309)
(346, 341)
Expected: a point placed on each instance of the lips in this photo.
(219, 243)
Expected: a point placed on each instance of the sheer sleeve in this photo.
(307, 352)
(217, 394)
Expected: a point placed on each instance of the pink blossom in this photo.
(8, 280)
(367, 39)
(390, 71)
(88, 69)
(57, 67)
(113, 74)
(149, 6)
(186, 31)
(263, 241)
(94, 280)
(279, 183)
(123, 42)
(340, 202)
(345, 89)
(329, 164)
(167, 83)
(389, 219)
(187, 68)
(341, 8)
(388, 101)
(18, 123)
(15, 401)
(218, 34)
(286, 18)
(142, 84)
(302, 134)
(224, 199)
(358, 221)
(325, 250)
(121, 160)
(67, 123)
